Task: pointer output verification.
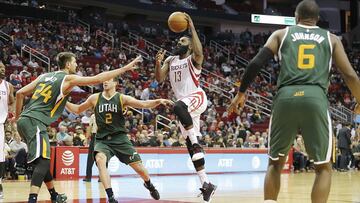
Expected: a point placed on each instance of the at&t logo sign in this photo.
(67, 158)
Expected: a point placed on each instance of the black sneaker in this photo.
(198, 152)
(60, 198)
(153, 191)
(112, 200)
(208, 191)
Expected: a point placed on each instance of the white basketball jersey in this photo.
(4, 96)
(184, 77)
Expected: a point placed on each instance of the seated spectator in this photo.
(79, 136)
(15, 61)
(25, 73)
(8, 137)
(15, 82)
(300, 155)
(16, 145)
(33, 64)
(86, 118)
(52, 136)
(10, 171)
(180, 143)
(62, 134)
(66, 122)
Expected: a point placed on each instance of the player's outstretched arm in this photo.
(342, 63)
(75, 80)
(148, 104)
(198, 55)
(161, 70)
(21, 94)
(79, 108)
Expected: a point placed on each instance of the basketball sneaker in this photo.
(112, 200)
(153, 191)
(207, 191)
(198, 152)
(60, 198)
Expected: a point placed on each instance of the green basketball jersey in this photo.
(305, 57)
(109, 116)
(47, 102)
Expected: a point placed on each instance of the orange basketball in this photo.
(177, 22)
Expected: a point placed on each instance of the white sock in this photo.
(270, 201)
(192, 136)
(203, 177)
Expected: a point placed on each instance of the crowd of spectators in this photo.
(96, 55)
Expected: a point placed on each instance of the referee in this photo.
(90, 158)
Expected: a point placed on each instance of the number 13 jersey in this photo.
(305, 55)
(184, 77)
(47, 101)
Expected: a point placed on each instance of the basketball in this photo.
(177, 22)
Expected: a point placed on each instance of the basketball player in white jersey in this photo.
(184, 71)
(6, 100)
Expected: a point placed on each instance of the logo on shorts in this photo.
(68, 158)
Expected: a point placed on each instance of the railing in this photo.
(6, 37)
(341, 113)
(243, 62)
(151, 46)
(220, 48)
(105, 36)
(133, 49)
(337, 114)
(159, 121)
(84, 25)
(35, 54)
(216, 89)
(238, 59)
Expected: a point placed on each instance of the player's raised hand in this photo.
(160, 55)
(237, 103)
(134, 63)
(190, 22)
(166, 102)
(357, 109)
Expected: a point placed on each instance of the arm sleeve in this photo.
(254, 67)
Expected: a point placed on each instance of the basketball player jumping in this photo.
(49, 93)
(111, 137)
(6, 100)
(184, 71)
(305, 52)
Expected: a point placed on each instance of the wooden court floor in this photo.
(247, 188)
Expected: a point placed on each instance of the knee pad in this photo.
(42, 167)
(199, 163)
(181, 111)
(195, 150)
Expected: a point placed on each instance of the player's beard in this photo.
(181, 50)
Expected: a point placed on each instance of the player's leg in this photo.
(127, 154)
(55, 197)
(102, 154)
(2, 157)
(35, 134)
(143, 173)
(181, 110)
(282, 130)
(317, 134)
